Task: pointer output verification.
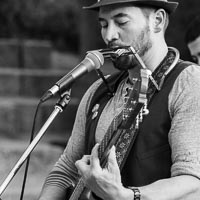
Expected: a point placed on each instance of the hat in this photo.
(165, 4)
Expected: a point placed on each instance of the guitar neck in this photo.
(103, 151)
(78, 190)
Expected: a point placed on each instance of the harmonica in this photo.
(115, 52)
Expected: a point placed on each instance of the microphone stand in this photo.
(59, 107)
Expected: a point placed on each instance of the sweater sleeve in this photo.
(184, 135)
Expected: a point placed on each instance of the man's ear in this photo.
(159, 20)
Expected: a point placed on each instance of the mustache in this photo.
(115, 45)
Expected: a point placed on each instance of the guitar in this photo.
(132, 112)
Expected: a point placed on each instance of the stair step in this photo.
(27, 82)
(33, 83)
(25, 53)
(17, 116)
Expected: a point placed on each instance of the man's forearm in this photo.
(53, 193)
(182, 187)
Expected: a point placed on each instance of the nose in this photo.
(110, 34)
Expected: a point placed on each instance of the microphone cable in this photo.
(101, 75)
(28, 158)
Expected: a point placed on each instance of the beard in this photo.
(142, 45)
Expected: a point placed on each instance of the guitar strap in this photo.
(128, 136)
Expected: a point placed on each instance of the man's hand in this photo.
(106, 182)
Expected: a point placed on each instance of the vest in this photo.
(150, 156)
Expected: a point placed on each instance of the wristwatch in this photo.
(136, 192)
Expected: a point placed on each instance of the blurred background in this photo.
(40, 41)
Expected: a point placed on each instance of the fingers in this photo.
(94, 159)
(89, 163)
(112, 156)
(83, 164)
(86, 159)
(112, 162)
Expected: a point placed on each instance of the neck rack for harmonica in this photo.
(110, 53)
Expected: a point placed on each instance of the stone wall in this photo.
(20, 90)
(22, 86)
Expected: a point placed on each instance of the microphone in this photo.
(93, 60)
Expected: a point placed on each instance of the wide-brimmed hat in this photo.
(169, 6)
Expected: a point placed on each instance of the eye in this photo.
(122, 21)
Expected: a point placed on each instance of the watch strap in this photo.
(136, 192)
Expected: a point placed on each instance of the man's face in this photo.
(194, 48)
(125, 26)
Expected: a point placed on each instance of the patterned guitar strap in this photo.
(127, 136)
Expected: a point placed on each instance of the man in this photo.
(163, 162)
(192, 39)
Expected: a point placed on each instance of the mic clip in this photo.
(64, 100)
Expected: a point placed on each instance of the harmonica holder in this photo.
(115, 52)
